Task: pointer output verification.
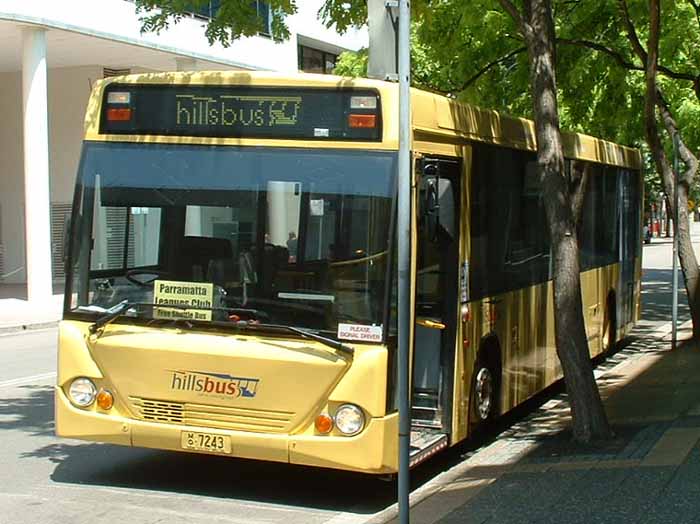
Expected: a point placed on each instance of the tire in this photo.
(610, 327)
(484, 394)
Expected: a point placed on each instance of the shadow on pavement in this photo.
(31, 412)
(219, 477)
(627, 479)
(657, 296)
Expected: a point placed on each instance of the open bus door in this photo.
(435, 305)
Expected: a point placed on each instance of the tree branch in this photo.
(696, 7)
(623, 62)
(523, 25)
(615, 55)
(490, 66)
(650, 99)
(632, 33)
(687, 156)
(577, 187)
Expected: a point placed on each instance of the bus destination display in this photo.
(241, 112)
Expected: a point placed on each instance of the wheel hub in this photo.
(484, 393)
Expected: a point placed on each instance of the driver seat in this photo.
(198, 254)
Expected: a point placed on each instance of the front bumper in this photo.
(374, 450)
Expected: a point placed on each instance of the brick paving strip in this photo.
(650, 440)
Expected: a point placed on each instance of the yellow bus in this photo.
(231, 282)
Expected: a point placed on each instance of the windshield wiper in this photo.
(109, 315)
(116, 311)
(335, 344)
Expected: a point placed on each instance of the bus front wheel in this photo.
(484, 393)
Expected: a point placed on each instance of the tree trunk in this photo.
(686, 253)
(588, 415)
(688, 262)
(654, 100)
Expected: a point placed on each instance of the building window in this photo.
(261, 7)
(316, 61)
(206, 11)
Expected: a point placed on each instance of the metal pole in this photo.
(404, 256)
(675, 244)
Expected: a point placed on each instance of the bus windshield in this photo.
(299, 236)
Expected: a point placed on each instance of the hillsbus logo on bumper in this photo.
(214, 384)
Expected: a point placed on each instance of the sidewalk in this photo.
(17, 315)
(534, 473)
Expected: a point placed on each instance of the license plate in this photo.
(211, 442)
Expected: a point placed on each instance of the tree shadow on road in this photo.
(31, 412)
(211, 476)
(657, 296)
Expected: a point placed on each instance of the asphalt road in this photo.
(44, 479)
(657, 281)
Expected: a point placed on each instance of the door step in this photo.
(425, 409)
(425, 442)
(426, 424)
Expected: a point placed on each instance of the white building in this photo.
(50, 54)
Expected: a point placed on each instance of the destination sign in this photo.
(241, 112)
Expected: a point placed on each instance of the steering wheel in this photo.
(130, 274)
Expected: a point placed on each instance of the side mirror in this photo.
(431, 208)
(438, 206)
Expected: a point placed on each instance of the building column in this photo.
(36, 165)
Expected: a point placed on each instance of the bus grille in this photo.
(209, 416)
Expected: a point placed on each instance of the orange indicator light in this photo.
(362, 121)
(118, 114)
(105, 400)
(324, 423)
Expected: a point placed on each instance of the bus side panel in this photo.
(527, 366)
(593, 301)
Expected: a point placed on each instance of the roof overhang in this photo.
(72, 46)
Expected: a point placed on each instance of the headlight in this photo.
(349, 419)
(82, 392)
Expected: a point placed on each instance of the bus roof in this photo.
(435, 117)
